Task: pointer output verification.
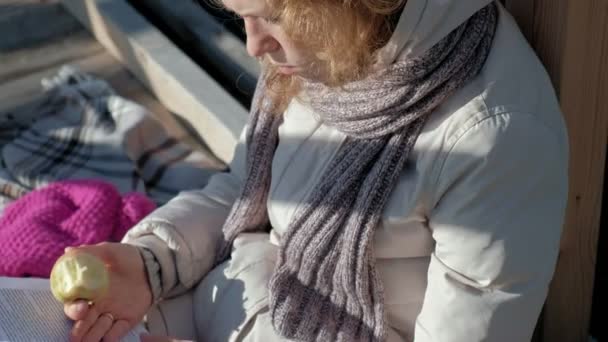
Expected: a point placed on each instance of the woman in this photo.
(403, 176)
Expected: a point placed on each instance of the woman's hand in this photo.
(123, 307)
(154, 338)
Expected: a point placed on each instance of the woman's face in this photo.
(265, 37)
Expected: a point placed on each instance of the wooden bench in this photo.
(180, 85)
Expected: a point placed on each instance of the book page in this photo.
(29, 312)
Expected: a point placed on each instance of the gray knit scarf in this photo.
(325, 286)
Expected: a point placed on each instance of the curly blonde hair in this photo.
(345, 35)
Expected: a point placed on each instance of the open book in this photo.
(29, 312)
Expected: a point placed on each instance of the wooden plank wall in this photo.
(571, 37)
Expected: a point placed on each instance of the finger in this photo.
(118, 331)
(76, 310)
(81, 327)
(99, 329)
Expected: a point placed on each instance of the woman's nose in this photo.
(259, 42)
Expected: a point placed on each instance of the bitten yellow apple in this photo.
(79, 275)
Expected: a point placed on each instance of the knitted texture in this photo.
(325, 286)
(35, 229)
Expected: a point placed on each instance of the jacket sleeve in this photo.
(178, 241)
(498, 212)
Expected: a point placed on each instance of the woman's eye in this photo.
(272, 20)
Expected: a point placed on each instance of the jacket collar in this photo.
(423, 23)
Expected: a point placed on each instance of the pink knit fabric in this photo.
(35, 229)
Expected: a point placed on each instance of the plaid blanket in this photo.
(83, 130)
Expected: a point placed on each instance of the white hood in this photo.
(423, 23)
